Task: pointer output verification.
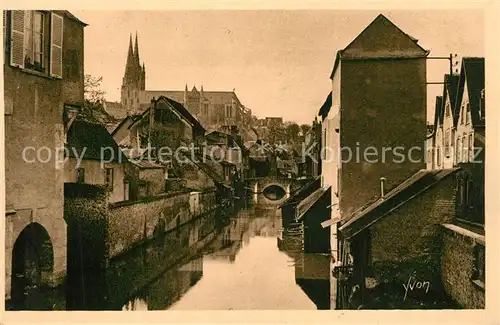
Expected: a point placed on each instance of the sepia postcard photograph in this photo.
(245, 160)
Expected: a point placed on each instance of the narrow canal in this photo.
(235, 261)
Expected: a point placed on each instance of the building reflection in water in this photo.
(159, 275)
(312, 270)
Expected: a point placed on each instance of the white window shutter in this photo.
(17, 38)
(56, 44)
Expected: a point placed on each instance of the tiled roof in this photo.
(184, 112)
(115, 109)
(406, 191)
(92, 138)
(209, 171)
(306, 204)
(144, 164)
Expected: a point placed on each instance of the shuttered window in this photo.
(17, 38)
(56, 43)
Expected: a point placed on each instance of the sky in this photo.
(278, 62)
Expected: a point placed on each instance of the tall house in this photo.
(44, 84)
(377, 114)
(470, 125)
(445, 131)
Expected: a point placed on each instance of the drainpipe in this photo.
(382, 187)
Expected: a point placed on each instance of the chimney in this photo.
(382, 188)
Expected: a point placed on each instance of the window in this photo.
(447, 143)
(438, 156)
(34, 40)
(29, 40)
(80, 175)
(464, 153)
(447, 109)
(462, 113)
(109, 178)
(459, 150)
(471, 147)
(452, 142)
(467, 114)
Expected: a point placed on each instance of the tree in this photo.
(92, 89)
(292, 132)
(93, 107)
(305, 128)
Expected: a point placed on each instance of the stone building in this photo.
(377, 104)
(213, 109)
(44, 86)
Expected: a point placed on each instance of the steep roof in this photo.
(180, 109)
(406, 191)
(380, 39)
(310, 201)
(438, 112)
(325, 108)
(383, 39)
(450, 89)
(184, 112)
(472, 75)
(92, 138)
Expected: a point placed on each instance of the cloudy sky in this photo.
(279, 62)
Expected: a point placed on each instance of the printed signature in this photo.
(413, 283)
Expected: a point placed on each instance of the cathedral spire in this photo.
(136, 50)
(129, 67)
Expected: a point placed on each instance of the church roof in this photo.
(215, 97)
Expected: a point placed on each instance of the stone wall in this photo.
(383, 107)
(458, 267)
(411, 236)
(131, 223)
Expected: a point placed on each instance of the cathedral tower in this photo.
(134, 79)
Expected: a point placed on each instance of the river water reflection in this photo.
(234, 262)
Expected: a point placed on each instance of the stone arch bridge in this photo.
(259, 184)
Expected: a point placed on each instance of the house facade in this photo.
(44, 82)
(94, 158)
(444, 142)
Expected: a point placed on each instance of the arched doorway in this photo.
(32, 267)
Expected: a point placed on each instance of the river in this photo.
(237, 261)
